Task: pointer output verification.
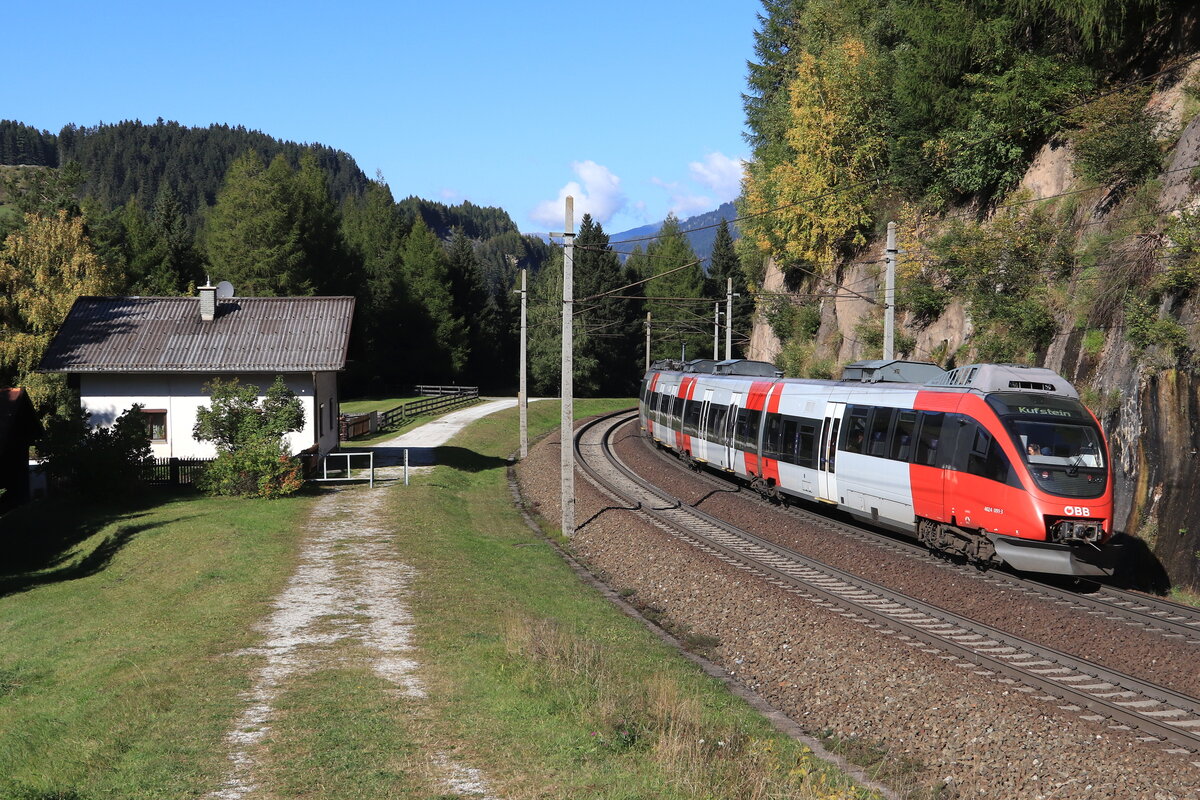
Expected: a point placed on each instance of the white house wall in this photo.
(106, 397)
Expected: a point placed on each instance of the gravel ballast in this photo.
(967, 734)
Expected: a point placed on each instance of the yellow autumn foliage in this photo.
(817, 198)
(44, 267)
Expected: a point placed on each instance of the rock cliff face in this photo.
(1147, 400)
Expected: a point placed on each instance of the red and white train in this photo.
(992, 462)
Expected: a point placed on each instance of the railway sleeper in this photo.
(951, 540)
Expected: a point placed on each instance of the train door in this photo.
(827, 463)
(700, 444)
(735, 404)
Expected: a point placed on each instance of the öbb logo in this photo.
(1079, 511)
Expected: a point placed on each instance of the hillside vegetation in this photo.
(1040, 159)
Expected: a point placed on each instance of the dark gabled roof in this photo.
(166, 334)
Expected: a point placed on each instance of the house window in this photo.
(331, 415)
(320, 420)
(156, 424)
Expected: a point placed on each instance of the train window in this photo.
(902, 436)
(644, 394)
(928, 436)
(772, 435)
(691, 418)
(806, 443)
(833, 435)
(987, 458)
(715, 432)
(677, 408)
(746, 433)
(877, 438)
(855, 432)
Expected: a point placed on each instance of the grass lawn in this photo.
(114, 629)
(116, 679)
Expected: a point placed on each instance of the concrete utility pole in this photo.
(729, 295)
(716, 331)
(567, 428)
(647, 341)
(889, 296)
(522, 393)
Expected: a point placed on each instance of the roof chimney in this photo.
(208, 303)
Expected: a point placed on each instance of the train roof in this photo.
(981, 378)
(892, 371)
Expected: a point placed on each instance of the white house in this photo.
(161, 351)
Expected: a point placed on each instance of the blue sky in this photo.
(635, 107)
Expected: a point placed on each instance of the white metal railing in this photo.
(349, 472)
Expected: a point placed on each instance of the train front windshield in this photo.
(1058, 440)
(1050, 444)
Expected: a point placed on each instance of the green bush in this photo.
(922, 297)
(1093, 342)
(97, 463)
(1145, 328)
(1114, 139)
(780, 315)
(259, 468)
(252, 458)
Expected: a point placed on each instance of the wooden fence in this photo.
(428, 390)
(351, 426)
(173, 471)
(395, 417)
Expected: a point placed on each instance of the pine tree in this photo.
(374, 238)
(440, 346)
(611, 323)
(545, 337)
(249, 234)
(673, 295)
(474, 306)
(724, 264)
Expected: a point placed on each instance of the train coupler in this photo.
(1076, 531)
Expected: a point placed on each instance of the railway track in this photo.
(1122, 702)
(1154, 615)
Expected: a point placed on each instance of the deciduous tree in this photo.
(43, 268)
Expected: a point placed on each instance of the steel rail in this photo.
(1161, 714)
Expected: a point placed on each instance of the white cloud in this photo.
(449, 194)
(683, 203)
(599, 195)
(720, 173)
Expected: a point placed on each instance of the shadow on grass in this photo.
(39, 544)
(459, 458)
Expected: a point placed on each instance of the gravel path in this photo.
(961, 735)
(350, 586)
